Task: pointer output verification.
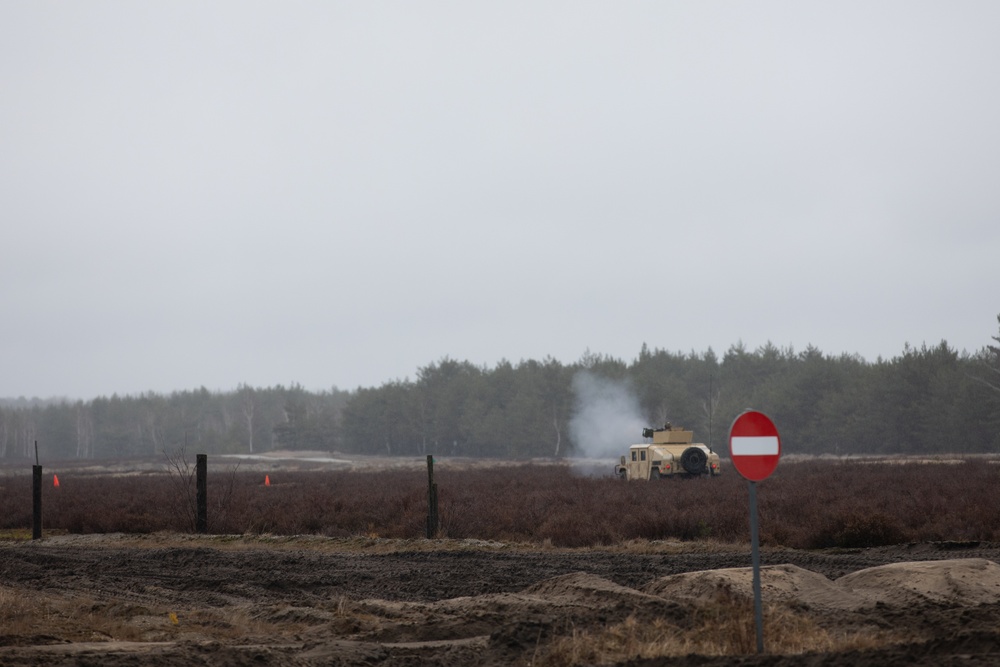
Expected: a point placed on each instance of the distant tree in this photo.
(924, 400)
(444, 392)
(991, 364)
(4, 432)
(84, 431)
(980, 404)
(248, 404)
(552, 385)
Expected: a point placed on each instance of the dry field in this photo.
(554, 584)
(224, 600)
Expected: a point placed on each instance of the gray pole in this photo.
(201, 493)
(36, 502)
(711, 377)
(432, 499)
(758, 611)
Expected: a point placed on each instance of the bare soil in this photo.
(169, 599)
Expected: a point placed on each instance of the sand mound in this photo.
(583, 588)
(779, 583)
(579, 591)
(967, 581)
(583, 599)
(963, 581)
(577, 598)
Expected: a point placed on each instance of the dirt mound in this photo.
(564, 601)
(583, 588)
(959, 582)
(779, 583)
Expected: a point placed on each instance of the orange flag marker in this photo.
(267, 480)
(55, 480)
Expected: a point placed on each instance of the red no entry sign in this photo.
(754, 445)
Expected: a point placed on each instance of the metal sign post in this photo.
(755, 448)
(758, 607)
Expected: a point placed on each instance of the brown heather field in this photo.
(865, 563)
(804, 505)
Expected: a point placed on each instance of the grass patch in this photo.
(725, 627)
(33, 618)
(15, 534)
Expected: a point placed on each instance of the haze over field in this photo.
(337, 194)
(606, 413)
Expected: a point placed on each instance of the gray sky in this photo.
(338, 193)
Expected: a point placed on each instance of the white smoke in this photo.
(606, 416)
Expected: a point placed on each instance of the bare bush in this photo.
(803, 505)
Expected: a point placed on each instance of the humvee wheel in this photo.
(654, 473)
(622, 475)
(693, 460)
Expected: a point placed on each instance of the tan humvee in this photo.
(670, 454)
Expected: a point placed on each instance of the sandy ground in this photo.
(178, 599)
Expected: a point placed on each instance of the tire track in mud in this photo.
(424, 606)
(220, 577)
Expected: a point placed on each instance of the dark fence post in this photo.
(201, 524)
(432, 499)
(36, 502)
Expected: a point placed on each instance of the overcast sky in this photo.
(339, 193)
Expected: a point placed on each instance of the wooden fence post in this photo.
(201, 523)
(432, 499)
(36, 502)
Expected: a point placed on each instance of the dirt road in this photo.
(174, 599)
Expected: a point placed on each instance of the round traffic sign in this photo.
(754, 445)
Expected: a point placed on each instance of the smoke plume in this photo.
(606, 417)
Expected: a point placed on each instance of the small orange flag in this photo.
(267, 480)
(55, 480)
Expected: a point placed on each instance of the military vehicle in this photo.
(670, 454)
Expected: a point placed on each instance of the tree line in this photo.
(925, 400)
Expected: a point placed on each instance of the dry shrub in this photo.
(858, 529)
(30, 618)
(238, 623)
(723, 627)
(803, 505)
(17, 611)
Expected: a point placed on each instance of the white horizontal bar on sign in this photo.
(760, 445)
